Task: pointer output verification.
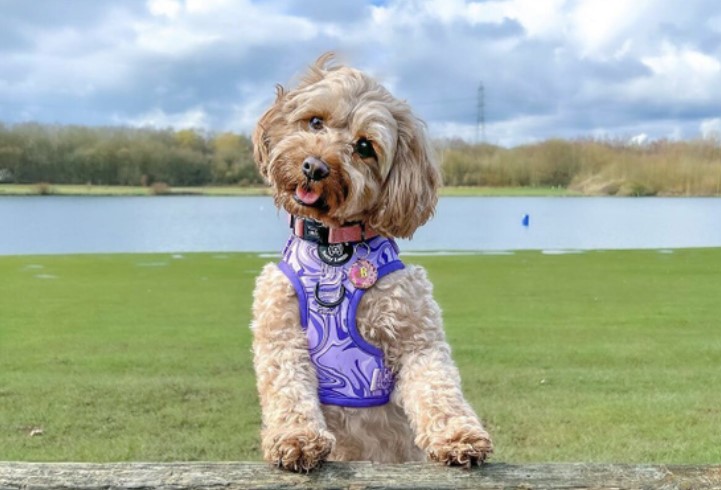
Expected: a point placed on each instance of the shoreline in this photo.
(109, 191)
(237, 191)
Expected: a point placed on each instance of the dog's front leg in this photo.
(429, 384)
(445, 425)
(294, 434)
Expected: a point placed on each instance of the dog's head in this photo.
(340, 149)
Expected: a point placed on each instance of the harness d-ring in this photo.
(362, 250)
(329, 304)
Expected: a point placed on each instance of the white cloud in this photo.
(526, 129)
(165, 8)
(539, 18)
(680, 73)
(199, 25)
(194, 118)
(210, 6)
(711, 128)
(172, 40)
(640, 139)
(243, 117)
(444, 10)
(676, 61)
(603, 27)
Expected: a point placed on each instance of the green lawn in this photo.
(602, 356)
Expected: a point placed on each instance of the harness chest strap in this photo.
(351, 372)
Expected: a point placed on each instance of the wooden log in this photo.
(355, 476)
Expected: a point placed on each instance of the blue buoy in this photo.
(526, 220)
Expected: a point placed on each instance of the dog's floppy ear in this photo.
(410, 192)
(261, 138)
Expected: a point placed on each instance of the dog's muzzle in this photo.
(315, 169)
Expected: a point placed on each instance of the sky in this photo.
(635, 70)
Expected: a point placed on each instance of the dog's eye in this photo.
(364, 149)
(315, 123)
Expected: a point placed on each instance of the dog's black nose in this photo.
(315, 168)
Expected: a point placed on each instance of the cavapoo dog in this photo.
(350, 354)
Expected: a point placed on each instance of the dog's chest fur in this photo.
(379, 433)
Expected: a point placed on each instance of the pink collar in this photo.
(315, 231)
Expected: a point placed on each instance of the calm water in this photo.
(61, 225)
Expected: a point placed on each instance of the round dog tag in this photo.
(363, 274)
(335, 253)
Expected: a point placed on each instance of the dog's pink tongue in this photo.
(307, 196)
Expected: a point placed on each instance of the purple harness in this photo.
(351, 372)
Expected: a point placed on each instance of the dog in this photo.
(349, 349)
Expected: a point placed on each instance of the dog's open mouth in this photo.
(306, 196)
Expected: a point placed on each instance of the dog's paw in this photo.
(300, 450)
(462, 449)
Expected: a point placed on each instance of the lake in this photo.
(67, 225)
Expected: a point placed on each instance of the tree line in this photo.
(33, 153)
(55, 154)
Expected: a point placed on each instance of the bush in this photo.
(160, 189)
(43, 189)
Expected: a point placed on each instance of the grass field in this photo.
(100, 190)
(602, 356)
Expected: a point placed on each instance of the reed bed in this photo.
(592, 167)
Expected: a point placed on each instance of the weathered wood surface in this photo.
(356, 476)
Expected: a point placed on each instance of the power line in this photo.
(481, 115)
